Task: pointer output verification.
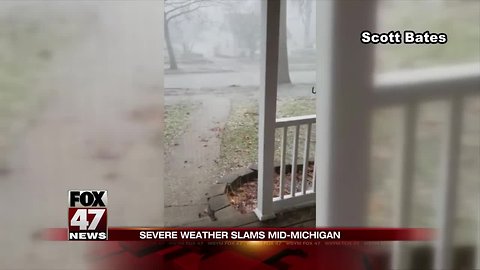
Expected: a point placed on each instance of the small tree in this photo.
(175, 9)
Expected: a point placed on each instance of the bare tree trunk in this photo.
(283, 71)
(171, 54)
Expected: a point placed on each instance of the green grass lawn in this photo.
(240, 136)
(176, 121)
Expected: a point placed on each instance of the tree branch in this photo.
(187, 4)
(185, 12)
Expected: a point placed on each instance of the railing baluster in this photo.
(293, 181)
(314, 178)
(448, 185)
(405, 165)
(282, 161)
(306, 155)
(281, 201)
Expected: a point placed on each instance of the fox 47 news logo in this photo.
(87, 215)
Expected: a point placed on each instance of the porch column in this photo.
(344, 88)
(267, 108)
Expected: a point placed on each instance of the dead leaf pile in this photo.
(244, 198)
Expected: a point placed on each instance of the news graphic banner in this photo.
(244, 234)
(87, 221)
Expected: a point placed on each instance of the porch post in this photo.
(344, 89)
(267, 108)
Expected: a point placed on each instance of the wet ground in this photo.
(192, 161)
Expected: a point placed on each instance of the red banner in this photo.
(254, 234)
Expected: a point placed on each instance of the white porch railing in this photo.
(409, 90)
(297, 192)
(346, 97)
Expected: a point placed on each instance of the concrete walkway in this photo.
(191, 162)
